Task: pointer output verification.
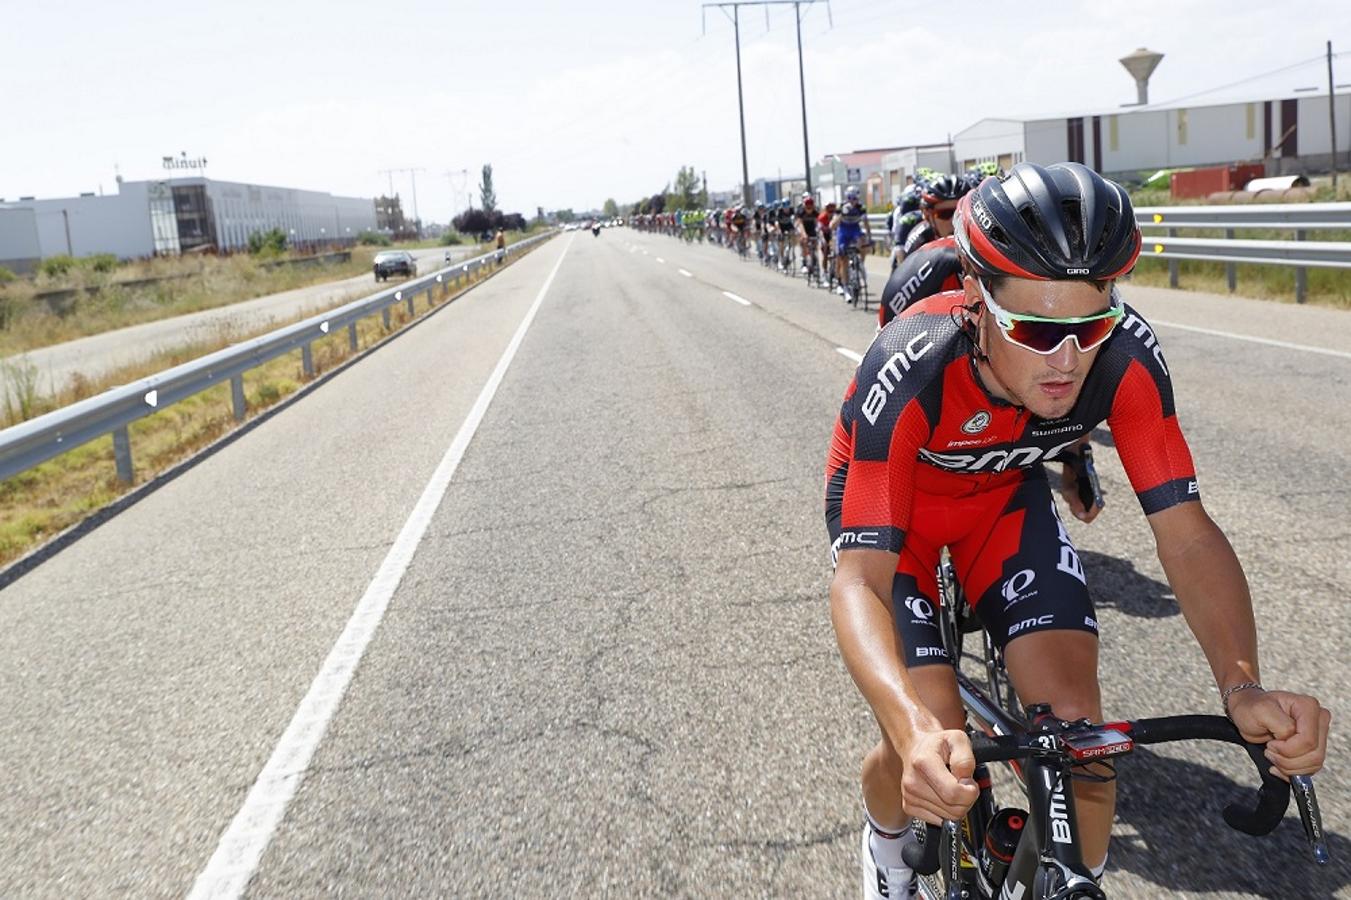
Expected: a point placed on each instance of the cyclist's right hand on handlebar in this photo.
(938, 782)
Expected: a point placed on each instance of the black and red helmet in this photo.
(1048, 223)
(940, 188)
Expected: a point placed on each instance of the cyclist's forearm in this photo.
(868, 641)
(1213, 594)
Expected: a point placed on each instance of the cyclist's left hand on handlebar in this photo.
(1293, 726)
(1069, 489)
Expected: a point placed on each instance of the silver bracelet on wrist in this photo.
(1243, 686)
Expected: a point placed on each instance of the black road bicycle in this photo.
(856, 277)
(1034, 854)
(813, 263)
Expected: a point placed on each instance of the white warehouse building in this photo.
(177, 215)
(1290, 134)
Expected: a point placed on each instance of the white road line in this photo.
(683, 272)
(660, 260)
(849, 354)
(1256, 340)
(730, 296)
(236, 858)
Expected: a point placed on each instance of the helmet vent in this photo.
(1109, 228)
(1030, 219)
(1074, 224)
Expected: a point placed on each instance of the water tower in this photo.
(1141, 65)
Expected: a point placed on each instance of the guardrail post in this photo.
(307, 360)
(412, 311)
(1172, 263)
(352, 336)
(384, 317)
(1301, 274)
(237, 397)
(1231, 269)
(431, 301)
(122, 454)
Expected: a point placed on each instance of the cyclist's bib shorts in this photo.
(1020, 571)
(846, 234)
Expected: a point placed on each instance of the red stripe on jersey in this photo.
(1003, 542)
(879, 493)
(1152, 448)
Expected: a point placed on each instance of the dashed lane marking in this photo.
(730, 296)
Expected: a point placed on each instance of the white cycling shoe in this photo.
(881, 883)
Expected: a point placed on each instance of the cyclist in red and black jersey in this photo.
(807, 226)
(940, 442)
(937, 204)
(932, 268)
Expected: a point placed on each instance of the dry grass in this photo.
(205, 283)
(43, 501)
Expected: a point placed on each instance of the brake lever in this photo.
(1309, 815)
(1090, 489)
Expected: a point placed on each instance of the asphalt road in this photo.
(98, 354)
(609, 669)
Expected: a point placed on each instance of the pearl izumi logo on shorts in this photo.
(977, 423)
(1016, 588)
(921, 609)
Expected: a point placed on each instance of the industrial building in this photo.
(177, 215)
(1290, 134)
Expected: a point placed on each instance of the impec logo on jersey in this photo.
(891, 374)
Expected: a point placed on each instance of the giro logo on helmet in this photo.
(1076, 271)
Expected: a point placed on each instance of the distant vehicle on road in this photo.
(394, 262)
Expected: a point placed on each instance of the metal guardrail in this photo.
(1297, 217)
(1298, 253)
(33, 442)
(1257, 215)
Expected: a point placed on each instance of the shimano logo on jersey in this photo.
(992, 460)
(890, 375)
(1077, 271)
(1137, 326)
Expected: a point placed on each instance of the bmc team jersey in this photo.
(923, 458)
(930, 269)
(920, 235)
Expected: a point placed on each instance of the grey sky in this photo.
(576, 102)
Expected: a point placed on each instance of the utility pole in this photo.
(413, 174)
(458, 180)
(801, 77)
(1332, 121)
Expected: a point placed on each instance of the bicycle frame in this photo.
(1051, 812)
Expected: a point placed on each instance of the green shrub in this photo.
(56, 266)
(451, 238)
(373, 238)
(101, 262)
(6, 275)
(267, 243)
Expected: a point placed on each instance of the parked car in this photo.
(394, 262)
